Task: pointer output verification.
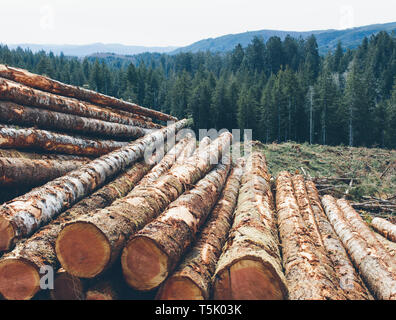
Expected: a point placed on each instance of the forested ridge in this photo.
(283, 90)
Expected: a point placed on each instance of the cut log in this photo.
(102, 290)
(67, 287)
(187, 151)
(192, 280)
(349, 280)
(15, 114)
(153, 253)
(38, 251)
(368, 255)
(18, 93)
(384, 227)
(55, 142)
(22, 216)
(389, 245)
(14, 172)
(12, 153)
(49, 85)
(109, 229)
(250, 266)
(308, 272)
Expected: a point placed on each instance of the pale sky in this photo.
(176, 22)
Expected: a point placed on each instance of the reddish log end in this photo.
(144, 264)
(93, 252)
(7, 234)
(180, 288)
(19, 279)
(248, 279)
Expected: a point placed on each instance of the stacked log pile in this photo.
(119, 210)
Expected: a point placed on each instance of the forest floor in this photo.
(367, 177)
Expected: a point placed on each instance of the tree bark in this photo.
(38, 251)
(22, 216)
(388, 245)
(12, 113)
(187, 151)
(55, 142)
(250, 266)
(154, 252)
(109, 229)
(192, 280)
(349, 280)
(49, 85)
(12, 153)
(307, 269)
(18, 93)
(14, 172)
(369, 256)
(384, 227)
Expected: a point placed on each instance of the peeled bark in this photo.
(307, 269)
(388, 245)
(384, 227)
(38, 251)
(250, 266)
(369, 256)
(349, 280)
(22, 216)
(12, 153)
(153, 253)
(55, 142)
(53, 86)
(109, 229)
(12, 113)
(67, 287)
(192, 280)
(33, 172)
(18, 93)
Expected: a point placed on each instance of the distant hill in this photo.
(327, 39)
(85, 50)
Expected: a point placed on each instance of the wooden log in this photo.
(24, 215)
(18, 93)
(307, 271)
(192, 280)
(38, 251)
(153, 253)
(368, 255)
(250, 266)
(55, 142)
(388, 245)
(98, 240)
(14, 172)
(49, 85)
(12, 153)
(349, 280)
(11, 113)
(187, 151)
(102, 290)
(67, 287)
(384, 227)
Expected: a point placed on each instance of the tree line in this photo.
(282, 89)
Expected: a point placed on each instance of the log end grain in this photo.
(19, 279)
(67, 287)
(249, 279)
(82, 249)
(180, 288)
(7, 234)
(144, 264)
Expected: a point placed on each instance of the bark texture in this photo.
(187, 151)
(250, 266)
(22, 216)
(12, 153)
(14, 171)
(12, 113)
(110, 228)
(375, 264)
(39, 250)
(192, 280)
(55, 142)
(349, 280)
(102, 290)
(21, 94)
(49, 85)
(172, 233)
(385, 227)
(389, 245)
(67, 287)
(308, 271)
